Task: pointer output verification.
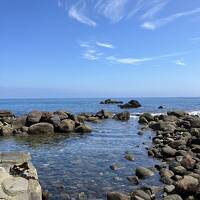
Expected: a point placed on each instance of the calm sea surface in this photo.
(70, 165)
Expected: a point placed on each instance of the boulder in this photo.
(6, 113)
(111, 101)
(41, 128)
(34, 117)
(188, 162)
(187, 185)
(19, 122)
(6, 130)
(102, 114)
(167, 151)
(61, 114)
(123, 116)
(131, 104)
(147, 116)
(173, 197)
(143, 172)
(177, 113)
(140, 194)
(67, 125)
(83, 128)
(160, 107)
(117, 196)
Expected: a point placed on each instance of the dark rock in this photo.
(160, 107)
(129, 157)
(41, 128)
(143, 120)
(116, 167)
(140, 194)
(133, 179)
(102, 114)
(173, 197)
(6, 113)
(131, 104)
(123, 116)
(188, 162)
(177, 113)
(167, 151)
(62, 115)
(111, 101)
(19, 122)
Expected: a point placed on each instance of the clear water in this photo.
(70, 165)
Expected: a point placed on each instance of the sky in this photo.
(99, 48)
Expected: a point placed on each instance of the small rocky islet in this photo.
(176, 144)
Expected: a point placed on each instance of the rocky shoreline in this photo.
(18, 177)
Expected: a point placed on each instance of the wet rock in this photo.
(45, 195)
(116, 166)
(177, 113)
(102, 114)
(34, 117)
(188, 162)
(180, 170)
(123, 116)
(129, 157)
(160, 107)
(83, 128)
(41, 128)
(133, 179)
(131, 104)
(143, 172)
(147, 116)
(67, 126)
(173, 197)
(111, 101)
(61, 114)
(6, 130)
(82, 196)
(19, 122)
(187, 185)
(117, 196)
(143, 120)
(168, 151)
(140, 195)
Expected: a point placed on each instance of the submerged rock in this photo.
(111, 101)
(117, 196)
(83, 128)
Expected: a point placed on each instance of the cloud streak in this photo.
(152, 25)
(77, 12)
(105, 45)
(180, 62)
(136, 61)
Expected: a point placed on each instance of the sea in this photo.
(72, 165)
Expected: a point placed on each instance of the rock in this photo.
(123, 116)
(188, 162)
(19, 122)
(133, 179)
(129, 157)
(6, 130)
(180, 170)
(131, 104)
(61, 114)
(160, 107)
(162, 126)
(34, 117)
(15, 185)
(143, 120)
(143, 172)
(117, 196)
(147, 116)
(167, 151)
(82, 196)
(102, 114)
(173, 197)
(67, 126)
(166, 173)
(41, 128)
(177, 113)
(116, 167)
(6, 113)
(83, 128)
(111, 101)
(140, 194)
(169, 188)
(187, 185)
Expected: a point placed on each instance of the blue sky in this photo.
(99, 48)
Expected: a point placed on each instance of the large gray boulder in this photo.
(83, 128)
(42, 128)
(34, 117)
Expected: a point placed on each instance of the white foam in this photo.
(197, 112)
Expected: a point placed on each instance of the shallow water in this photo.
(82, 163)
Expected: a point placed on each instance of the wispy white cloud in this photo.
(195, 39)
(114, 10)
(105, 45)
(90, 51)
(161, 22)
(157, 6)
(135, 61)
(77, 11)
(180, 62)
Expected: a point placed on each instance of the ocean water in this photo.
(68, 165)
